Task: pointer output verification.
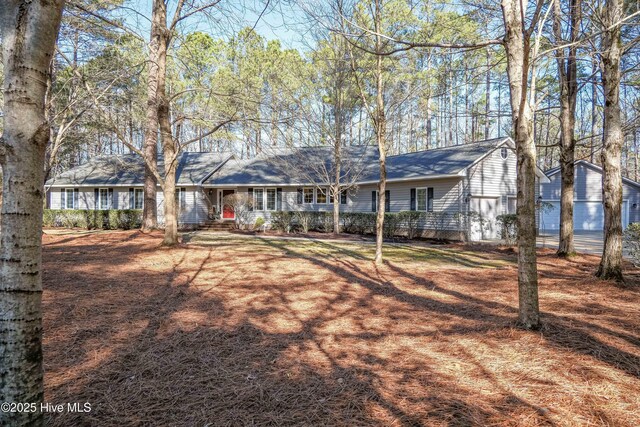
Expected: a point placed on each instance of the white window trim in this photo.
(426, 199)
(66, 199)
(255, 199)
(180, 191)
(326, 196)
(100, 199)
(313, 196)
(504, 150)
(137, 191)
(275, 199)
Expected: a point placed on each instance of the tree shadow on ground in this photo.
(279, 336)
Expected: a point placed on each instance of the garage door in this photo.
(487, 207)
(587, 215)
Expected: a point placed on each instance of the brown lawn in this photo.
(243, 331)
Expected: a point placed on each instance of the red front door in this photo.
(227, 210)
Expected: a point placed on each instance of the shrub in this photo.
(411, 221)
(324, 222)
(259, 223)
(358, 222)
(508, 225)
(283, 221)
(306, 220)
(632, 242)
(242, 206)
(391, 226)
(114, 219)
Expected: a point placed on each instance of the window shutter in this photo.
(430, 199)
(132, 200)
(96, 199)
(299, 196)
(183, 198)
(343, 197)
(112, 205)
(63, 198)
(413, 199)
(387, 200)
(76, 194)
(373, 201)
(278, 199)
(250, 195)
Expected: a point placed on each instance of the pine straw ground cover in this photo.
(273, 332)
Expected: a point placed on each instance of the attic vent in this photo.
(504, 153)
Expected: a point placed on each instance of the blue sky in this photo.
(276, 22)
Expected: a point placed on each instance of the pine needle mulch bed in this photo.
(271, 332)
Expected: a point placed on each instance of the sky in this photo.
(274, 22)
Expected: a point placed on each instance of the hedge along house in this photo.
(444, 182)
(588, 211)
(116, 182)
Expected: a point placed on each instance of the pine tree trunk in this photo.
(487, 111)
(169, 146)
(518, 51)
(611, 262)
(567, 73)
(337, 160)
(381, 129)
(150, 147)
(29, 31)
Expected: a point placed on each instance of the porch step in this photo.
(217, 226)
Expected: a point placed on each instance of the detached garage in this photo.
(588, 211)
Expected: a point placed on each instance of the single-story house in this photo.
(588, 211)
(478, 177)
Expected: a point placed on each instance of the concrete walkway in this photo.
(589, 242)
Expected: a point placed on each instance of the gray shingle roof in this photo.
(435, 162)
(305, 165)
(128, 169)
(553, 171)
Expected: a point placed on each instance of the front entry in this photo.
(227, 210)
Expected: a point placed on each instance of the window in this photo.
(181, 198)
(504, 153)
(321, 196)
(308, 195)
(421, 199)
(258, 199)
(343, 197)
(424, 198)
(68, 199)
(138, 198)
(271, 199)
(387, 201)
(104, 202)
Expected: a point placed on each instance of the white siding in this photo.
(494, 177)
(446, 197)
(195, 210)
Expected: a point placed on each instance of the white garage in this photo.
(588, 215)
